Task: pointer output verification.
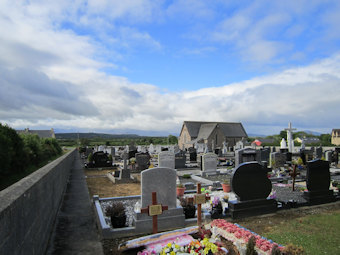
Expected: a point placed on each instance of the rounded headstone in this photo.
(249, 182)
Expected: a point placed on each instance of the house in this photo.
(263, 141)
(307, 140)
(41, 133)
(335, 137)
(212, 134)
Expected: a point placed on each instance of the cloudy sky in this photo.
(148, 65)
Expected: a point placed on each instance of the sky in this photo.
(145, 66)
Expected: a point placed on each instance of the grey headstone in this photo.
(318, 152)
(161, 180)
(328, 156)
(166, 159)
(246, 155)
(209, 162)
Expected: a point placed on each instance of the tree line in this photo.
(144, 140)
(21, 152)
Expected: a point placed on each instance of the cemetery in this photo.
(158, 199)
(265, 181)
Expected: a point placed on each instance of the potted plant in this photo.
(226, 185)
(116, 212)
(189, 208)
(180, 190)
(216, 208)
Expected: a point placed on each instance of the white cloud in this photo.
(50, 76)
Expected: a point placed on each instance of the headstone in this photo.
(125, 171)
(142, 160)
(265, 154)
(328, 156)
(192, 154)
(283, 144)
(277, 159)
(113, 151)
(209, 163)
(101, 159)
(318, 181)
(180, 159)
(318, 152)
(252, 187)
(246, 155)
(166, 159)
(151, 148)
(162, 181)
(225, 148)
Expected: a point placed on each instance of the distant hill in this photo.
(94, 135)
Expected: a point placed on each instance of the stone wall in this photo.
(28, 208)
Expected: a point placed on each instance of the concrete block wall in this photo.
(28, 208)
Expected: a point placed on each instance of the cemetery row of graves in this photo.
(187, 197)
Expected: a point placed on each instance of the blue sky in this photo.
(143, 65)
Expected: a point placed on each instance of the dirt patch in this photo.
(99, 184)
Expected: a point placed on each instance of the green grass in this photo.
(317, 234)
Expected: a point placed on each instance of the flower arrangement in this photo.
(196, 247)
(236, 233)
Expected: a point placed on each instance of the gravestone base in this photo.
(209, 173)
(169, 219)
(242, 209)
(319, 197)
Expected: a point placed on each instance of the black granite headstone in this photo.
(318, 175)
(249, 181)
(318, 181)
(142, 160)
(101, 159)
(180, 159)
(252, 187)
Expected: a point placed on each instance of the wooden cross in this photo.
(293, 174)
(200, 199)
(154, 210)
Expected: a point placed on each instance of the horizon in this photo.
(147, 66)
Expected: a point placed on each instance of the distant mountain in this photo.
(312, 132)
(256, 135)
(94, 135)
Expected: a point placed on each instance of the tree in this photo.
(283, 134)
(325, 139)
(84, 142)
(172, 139)
(11, 151)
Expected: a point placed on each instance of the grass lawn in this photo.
(317, 234)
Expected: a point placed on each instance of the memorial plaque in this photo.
(200, 199)
(155, 210)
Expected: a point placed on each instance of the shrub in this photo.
(251, 246)
(291, 249)
(115, 210)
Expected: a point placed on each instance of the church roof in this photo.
(229, 129)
